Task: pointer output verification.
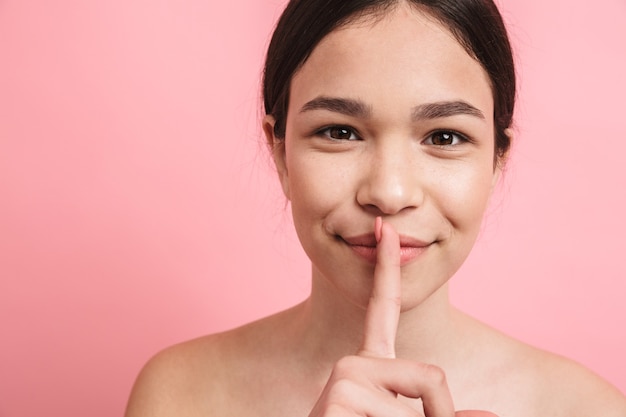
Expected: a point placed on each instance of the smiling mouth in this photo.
(365, 247)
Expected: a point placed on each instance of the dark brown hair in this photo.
(476, 24)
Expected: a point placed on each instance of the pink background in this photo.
(139, 208)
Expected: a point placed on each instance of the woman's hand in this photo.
(368, 383)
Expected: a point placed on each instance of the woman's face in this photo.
(388, 117)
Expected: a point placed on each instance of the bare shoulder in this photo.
(569, 389)
(512, 378)
(174, 381)
(201, 376)
(531, 381)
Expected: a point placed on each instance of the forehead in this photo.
(403, 56)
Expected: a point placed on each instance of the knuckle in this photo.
(393, 300)
(342, 390)
(346, 367)
(434, 374)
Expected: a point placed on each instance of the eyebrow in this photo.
(349, 107)
(357, 108)
(442, 109)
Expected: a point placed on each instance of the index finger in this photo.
(383, 311)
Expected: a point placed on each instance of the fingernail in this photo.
(378, 228)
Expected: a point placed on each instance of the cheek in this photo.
(464, 197)
(318, 184)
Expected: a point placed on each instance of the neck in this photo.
(332, 327)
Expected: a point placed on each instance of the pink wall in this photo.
(139, 210)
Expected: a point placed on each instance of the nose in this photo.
(392, 181)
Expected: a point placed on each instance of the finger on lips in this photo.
(383, 312)
(369, 383)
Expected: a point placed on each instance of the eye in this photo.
(445, 138)
(339, 133)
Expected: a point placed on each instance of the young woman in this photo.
(389, 126)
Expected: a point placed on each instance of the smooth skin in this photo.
(380, 338)
(369, 383)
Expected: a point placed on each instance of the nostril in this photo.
(388, 200)
(373, 210)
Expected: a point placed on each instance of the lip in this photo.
(365, 246)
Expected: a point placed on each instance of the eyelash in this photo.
(460, 137)
(353, 135)
(326, 132)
